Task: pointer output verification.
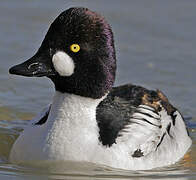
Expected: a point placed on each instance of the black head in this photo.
(77, 54)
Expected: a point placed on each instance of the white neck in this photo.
(74, 111)
(72, 122)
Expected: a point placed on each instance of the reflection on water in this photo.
(155, 42)
(87, 171)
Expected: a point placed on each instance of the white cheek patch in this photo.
(63, 63)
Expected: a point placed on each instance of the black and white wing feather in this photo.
(42, 117)
(143, 133)
(142, 119)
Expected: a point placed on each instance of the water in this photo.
(155, 44)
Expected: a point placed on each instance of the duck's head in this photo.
(77, 54)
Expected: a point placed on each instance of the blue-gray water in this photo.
(155, 44)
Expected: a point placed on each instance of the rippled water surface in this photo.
(156, 47)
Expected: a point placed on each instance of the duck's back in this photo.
(114, 112)
(145, 121)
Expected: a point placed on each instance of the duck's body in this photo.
(116, 130)
(126, 127)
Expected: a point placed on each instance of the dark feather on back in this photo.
(114, 112)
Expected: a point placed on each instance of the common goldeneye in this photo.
(89, 120)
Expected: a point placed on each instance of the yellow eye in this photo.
(75, 48)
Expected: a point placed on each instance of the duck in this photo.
(127, 126)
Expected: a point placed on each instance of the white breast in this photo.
(70, 133)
